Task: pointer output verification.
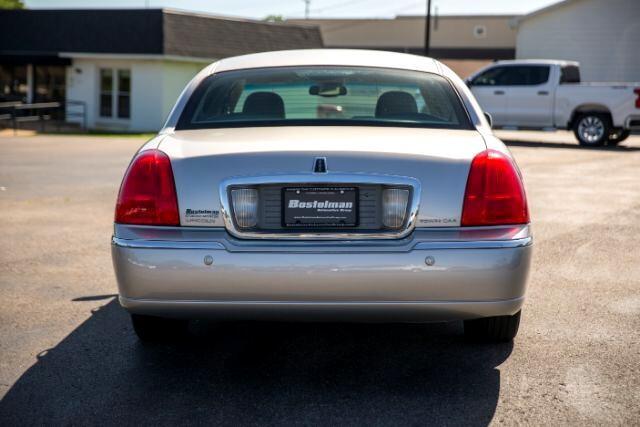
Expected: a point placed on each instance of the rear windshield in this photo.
(324, 96)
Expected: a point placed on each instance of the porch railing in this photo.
(15, 113)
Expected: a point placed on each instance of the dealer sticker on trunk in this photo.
(201, 216)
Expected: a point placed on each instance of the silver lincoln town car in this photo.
(338, 185)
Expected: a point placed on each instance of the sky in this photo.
(258, 9)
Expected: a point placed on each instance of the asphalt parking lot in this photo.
(69, 356)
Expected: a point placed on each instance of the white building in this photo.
(125, 67)
(604, 36)
(127, 92)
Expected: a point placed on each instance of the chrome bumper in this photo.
(433, 275)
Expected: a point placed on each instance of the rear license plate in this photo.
(320, 207)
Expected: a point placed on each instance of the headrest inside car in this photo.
(395, 103)
(266, 104)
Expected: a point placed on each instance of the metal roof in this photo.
(144, 31)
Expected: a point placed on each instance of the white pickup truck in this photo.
(546, 94)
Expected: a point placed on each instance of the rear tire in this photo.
(158, 329)
(616, 136)
(493, 329)
(592, 129)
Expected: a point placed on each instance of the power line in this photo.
(338, 5)
(277, 9)
(366, 21)
(346, 3)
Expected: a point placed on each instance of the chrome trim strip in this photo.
(318, 303)
(435, 245)
(207, 234)
(476, 244)
(328, 178)
(165, 244)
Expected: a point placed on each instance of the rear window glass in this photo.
(326, 95)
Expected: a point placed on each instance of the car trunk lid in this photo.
(438, 158)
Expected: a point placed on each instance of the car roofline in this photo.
(328, 57)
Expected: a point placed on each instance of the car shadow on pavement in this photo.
(260, 373)
(576, 146)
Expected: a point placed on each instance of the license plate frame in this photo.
(325, 207)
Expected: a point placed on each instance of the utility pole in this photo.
(306, 8)
(427, 29)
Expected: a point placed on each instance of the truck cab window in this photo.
(528, 75)
(490, 77)
(569, 74)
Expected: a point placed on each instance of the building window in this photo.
(480, 31)
(13, 83)
(106, 92)
(115, 93)
(124, 93)
(49, 83)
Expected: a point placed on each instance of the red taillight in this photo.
(495, 193)
(637, 92)
(148, 193)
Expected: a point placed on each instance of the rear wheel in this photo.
(616, 136)
(158, 329)
(592, 129)
(493, 329)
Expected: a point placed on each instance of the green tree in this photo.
(273, 18)
(11, 4)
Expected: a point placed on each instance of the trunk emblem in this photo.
(320, 165)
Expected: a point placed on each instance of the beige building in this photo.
(465, 43)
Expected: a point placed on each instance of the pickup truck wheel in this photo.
(617, 136)
(493, 329)
(592, 129)
(158, 329)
